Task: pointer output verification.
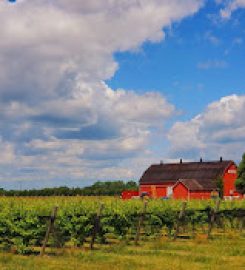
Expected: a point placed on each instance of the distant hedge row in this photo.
(97, 189)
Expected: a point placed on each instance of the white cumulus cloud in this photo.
(219, 130)
(57, 113)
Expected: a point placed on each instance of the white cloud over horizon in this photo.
(59, 119)
(218, 131)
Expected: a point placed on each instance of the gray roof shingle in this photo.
(199, 184)
(162, 173)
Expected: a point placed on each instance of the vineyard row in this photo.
(24, 231)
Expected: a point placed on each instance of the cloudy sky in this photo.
(100, 89)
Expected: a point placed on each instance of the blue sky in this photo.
(99, 90)
(173, 66)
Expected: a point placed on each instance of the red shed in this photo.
(197, 177)
(129, 194)
(194, 189)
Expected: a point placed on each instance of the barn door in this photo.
(169, 191)
(153, 191)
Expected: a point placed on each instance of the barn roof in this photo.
(199, 184)
(172, 172)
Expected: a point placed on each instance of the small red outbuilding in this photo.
(129, 194)
(194, 189)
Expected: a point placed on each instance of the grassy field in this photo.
(224, 253)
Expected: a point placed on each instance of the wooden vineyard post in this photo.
(180, 217)
(242, 224)
(193, 229)
(140, 223)
(49, 229)
(212, 217)
(96, 226)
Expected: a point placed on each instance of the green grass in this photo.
(222, 253)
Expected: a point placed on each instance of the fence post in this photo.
(96, 225)
(49, 229)
(212, 217)
(193, 229)
(140, 222)
(242, 224)
(180, 217)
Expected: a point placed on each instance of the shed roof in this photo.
(172, 172)
(198, 184)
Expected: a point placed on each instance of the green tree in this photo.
(240, 182)
(131, 185)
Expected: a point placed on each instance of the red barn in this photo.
(189, 180)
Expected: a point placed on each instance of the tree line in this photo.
(107, 188)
